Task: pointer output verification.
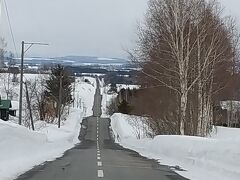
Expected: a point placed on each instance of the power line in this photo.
(10, 26)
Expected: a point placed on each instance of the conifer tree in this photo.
(53, 86)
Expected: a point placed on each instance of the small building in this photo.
(5, 110)
(232, 115)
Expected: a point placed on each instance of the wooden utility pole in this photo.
(21, 76)
(21, 85)
(60, 99)
(74, 89)
(29, 106)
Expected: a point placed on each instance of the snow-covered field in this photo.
(21, 148)
(14, 87)
(125, 86)
(213, 158)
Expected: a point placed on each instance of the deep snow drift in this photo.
(213, 158)
(21, 148)
(106, 98)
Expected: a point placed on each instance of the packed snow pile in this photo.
(21, 149)
(84, 94)
(213, 158)
(106, 98)
(126, 126)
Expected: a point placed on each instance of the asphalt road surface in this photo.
(98, 157)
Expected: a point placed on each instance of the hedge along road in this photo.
(98, 157)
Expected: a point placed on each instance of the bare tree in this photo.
(3, 46)
(180, 47)
(8, 83)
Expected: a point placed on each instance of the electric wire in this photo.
(10, 27)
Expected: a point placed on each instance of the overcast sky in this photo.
(80, 27)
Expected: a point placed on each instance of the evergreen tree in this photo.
(53, 86)
(113, 88)
(124, 107)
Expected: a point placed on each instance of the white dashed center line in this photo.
(100, 174)
(99, 163)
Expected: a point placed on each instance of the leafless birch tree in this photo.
(181, 45)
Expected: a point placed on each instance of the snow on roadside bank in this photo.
(212, 158)
(22, 149)
(84, 94)
(106, 98)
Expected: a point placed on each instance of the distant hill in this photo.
(75, 61)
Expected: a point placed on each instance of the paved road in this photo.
(98, 157)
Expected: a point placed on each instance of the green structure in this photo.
(5, 109)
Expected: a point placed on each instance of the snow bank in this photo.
(106, 98)
(125, 126)
(84, 95)
(212, 158)
(225, 133)
(21, 149)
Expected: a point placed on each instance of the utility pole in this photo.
(29, 106)
(74, 89)
(60, 100)
(21, 85)
(21, 75)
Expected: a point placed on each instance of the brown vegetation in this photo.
(188, 51)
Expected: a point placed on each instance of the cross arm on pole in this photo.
(30, 44)
(34, 43)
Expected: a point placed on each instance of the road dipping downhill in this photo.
(98, 156)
